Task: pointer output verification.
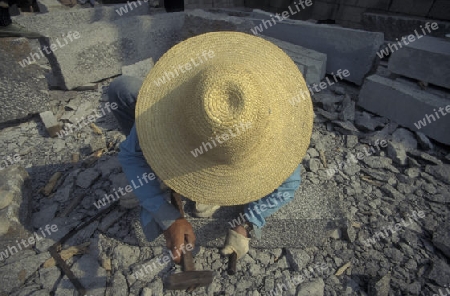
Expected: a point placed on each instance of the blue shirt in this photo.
(157, 214)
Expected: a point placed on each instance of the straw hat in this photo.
(229, 95)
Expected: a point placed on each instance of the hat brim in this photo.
(167, 148)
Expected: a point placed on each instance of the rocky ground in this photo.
(381, 187)
(394, 188)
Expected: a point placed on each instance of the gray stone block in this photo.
(440, 10)
(406, 106)
(426, 59)
(66, 20)
(311, 63)
(411, 7)
(23, 90)
(139, 70)
(199, 22)
(372, 4)
(304, 222)
(349, 49)
(228, 3)
(15, 186)
(323, 10)
(350, 13)
(196, 4)
(50, 5)
(396, 26)
(51, 123)
(346, 49)
(103, 48)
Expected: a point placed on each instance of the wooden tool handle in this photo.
(187, 260)
(232, 259)
(175, 199)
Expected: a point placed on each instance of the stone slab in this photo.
(305, 221)
(103, 48)
(15, 181)
(411, 7)
(23, 90)
(139, 69)
(324, 10)
(50, 5)
(354, 50)
(426, 59)
(66, 20)
(311, 63)
(405, 105)
(396, 26)
(15, 274)
(440, 10)
(51, 123)
(198, 22)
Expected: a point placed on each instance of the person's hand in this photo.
(237, 241)
(177, 235)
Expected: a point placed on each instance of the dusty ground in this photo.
(375, 192)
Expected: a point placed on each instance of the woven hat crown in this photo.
(224, 110)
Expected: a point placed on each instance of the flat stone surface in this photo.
(104, 47)
(16, 181)
(388, 98)
(14, 275)
(304, 222)
(440, 272)
(50, 122)
(441, 239)
(314, 288)
(426, 59)
(346, 49)
(199, 22)
(91, 275)
(441, 172)
(87, 177)
(66, 20)
(139, 70)
(311, 63)
(50, 5)
(395, 26)
(23, 90)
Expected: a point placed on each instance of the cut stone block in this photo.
(23, 88)
(15, 186)
(139, 70)
(103, 48)
(304, 222)
(396, 26)
(350, 13)
(372, 4)
(50, 5)
(50, 122)
(198, 22)
(311, 63)
(346, 49)
(440, 10)
(14, 275)
(324, 10)
(195, 4)
(411, 7)
(407, 106)
(426, 59)
(70, 19)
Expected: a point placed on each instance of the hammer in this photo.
(189, 279)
